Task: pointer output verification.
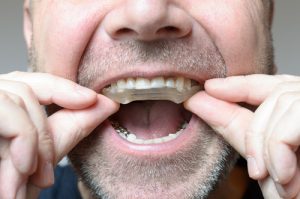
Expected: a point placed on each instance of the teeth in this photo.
(158, 82)
(142, 83)
(184, 125)
(131, 137)
(130, 83)
(125, 134)
(188, 83)
(173, 89)
(180, 83)
(121, 84)
(170, 83)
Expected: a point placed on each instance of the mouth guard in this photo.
(125, 96)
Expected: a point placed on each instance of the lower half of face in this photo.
(152, 148)
(188, 166)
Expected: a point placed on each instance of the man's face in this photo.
(97, 43)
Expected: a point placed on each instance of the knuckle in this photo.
(24, 90)
(19, 101)
(4, 97)
(45, 137)
(13, 74)
(24, 87)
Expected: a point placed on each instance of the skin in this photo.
(61, 34)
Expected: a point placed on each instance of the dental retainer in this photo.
(173, 93)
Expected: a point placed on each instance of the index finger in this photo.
(232, 124)
(252, 89)
(69, 127)
(50, 89)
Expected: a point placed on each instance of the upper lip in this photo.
(141, 72)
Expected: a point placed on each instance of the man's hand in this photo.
(268, 137)
(30, 143)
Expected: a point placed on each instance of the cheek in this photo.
(62, 32)
(232, 29)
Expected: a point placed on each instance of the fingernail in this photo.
(252, 167)
(49, 172)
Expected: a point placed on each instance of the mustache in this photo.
(181, 55)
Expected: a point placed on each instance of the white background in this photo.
(286, 33)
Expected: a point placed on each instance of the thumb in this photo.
(69, 127)
(230, 120)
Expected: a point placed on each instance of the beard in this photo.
(192, 172)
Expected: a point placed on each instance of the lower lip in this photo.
(182, 141)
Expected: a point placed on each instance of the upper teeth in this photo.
(180, 83)
(174, 89)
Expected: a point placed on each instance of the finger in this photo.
(232, 124)
(68, 127)
(44, 175)
(260, 130)
(252, 89)
(268, 188)
(255, 141)
(10, 179)
(266, 117)
(21, 193)
(23, 145)
(283, 142)
(52, 89)
(292, 189)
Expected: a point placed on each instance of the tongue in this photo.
(151, 119)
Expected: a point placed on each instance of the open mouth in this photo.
(151, 115)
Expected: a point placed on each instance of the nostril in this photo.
(169, 30)
(125, 32)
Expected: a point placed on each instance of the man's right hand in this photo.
(30, 142)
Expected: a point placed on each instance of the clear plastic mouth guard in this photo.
(125, 96)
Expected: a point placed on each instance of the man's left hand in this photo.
(267, 137)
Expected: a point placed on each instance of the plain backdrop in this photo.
(286, 33)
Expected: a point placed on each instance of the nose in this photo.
(147, 20)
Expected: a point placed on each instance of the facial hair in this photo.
(195, 172)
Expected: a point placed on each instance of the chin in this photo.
(113, 165)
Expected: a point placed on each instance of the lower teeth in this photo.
(124, 133)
